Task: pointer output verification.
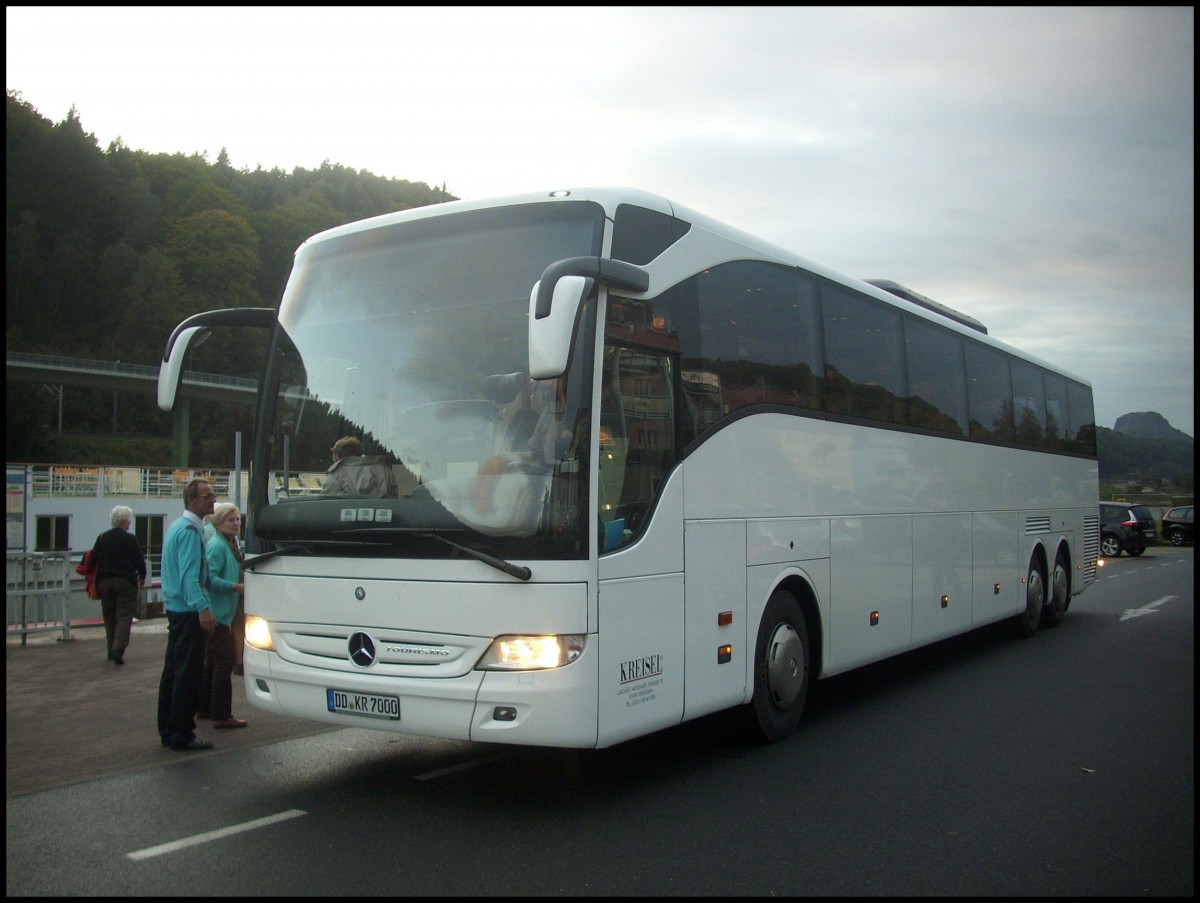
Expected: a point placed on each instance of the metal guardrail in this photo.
(58, 362)
(36, 591)
(58, 480)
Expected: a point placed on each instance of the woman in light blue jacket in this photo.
(225, 590)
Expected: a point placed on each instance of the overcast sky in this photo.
(1031, 167)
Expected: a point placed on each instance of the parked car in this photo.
(1177, 525)
(1126, 528)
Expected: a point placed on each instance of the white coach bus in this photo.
(644, 467)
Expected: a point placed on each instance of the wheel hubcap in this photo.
(1060, 586)
(1034, 594)
(785, 666)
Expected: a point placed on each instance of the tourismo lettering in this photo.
(639, 668)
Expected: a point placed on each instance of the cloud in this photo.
(1032, 167)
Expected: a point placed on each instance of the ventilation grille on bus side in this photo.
(1091, 546)
(1035, 525)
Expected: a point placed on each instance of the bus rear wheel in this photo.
(1060, 593)
(1035, 600)
(781, 668)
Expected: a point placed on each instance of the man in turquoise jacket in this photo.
(185, 600)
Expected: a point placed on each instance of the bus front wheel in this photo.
(781, 668)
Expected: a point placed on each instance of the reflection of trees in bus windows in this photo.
(1028, 423)
(868, 400)
(1081, 418)
(865, 373)
(758, 335)
(1056, 410)
(1029, 403)
(937, 383)
(929, 416)
(989, 393)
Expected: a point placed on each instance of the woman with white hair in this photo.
(120, 571)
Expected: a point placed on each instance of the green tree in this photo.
(216, 255)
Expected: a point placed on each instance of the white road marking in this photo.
(1147, 609)
(183, 843)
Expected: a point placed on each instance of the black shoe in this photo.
(118, 659)
(193, 745)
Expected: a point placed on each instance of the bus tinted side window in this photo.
(1029, 403)
(864, 373)
(1082, 424)
(937, 383)
(989, 393)
(1056, 411)
(757, 341)
(640, 235)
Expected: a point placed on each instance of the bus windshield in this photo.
(409, 343)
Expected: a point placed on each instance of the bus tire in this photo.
(1035, 600)
(781, 668)
(1060, 592)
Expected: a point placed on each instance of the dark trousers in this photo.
(179, 686)
(118, 604)
(239, 632)
(216, 681)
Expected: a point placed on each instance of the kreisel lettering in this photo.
(640, 668)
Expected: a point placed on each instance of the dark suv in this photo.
(1126, 528)
(1177, 525)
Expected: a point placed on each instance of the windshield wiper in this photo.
(513, 570)
(251, 563)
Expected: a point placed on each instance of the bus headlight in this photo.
(258, 633)
(531, 653)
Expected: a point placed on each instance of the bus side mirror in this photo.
(193, 331)
(556, 300)
(551, 335)
(170, 371)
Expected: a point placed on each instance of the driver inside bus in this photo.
(356, 474)
(542, 450)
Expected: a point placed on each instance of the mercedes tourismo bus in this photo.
(647, 467)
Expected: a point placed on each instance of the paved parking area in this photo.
(72, 716)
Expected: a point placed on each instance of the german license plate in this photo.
(369, 705)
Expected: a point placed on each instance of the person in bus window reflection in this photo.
(356, 474)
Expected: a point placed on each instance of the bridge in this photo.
(141, 379)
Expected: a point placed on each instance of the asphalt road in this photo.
(1062, 765)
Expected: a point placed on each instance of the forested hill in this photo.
(1144, 448)
(109, 248)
